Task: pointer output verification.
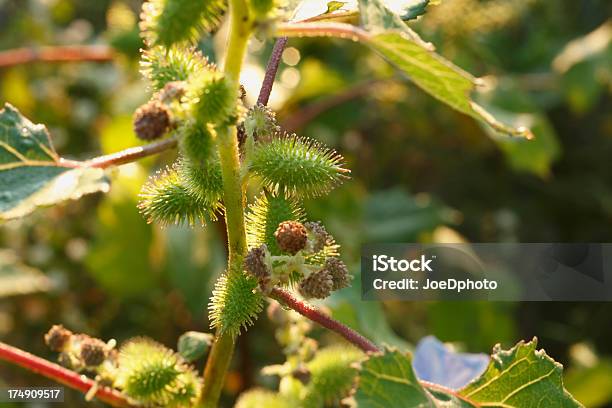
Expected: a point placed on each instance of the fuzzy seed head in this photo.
(317, 285)
(339, 273)
(291, 236)
(58, 338)
(151, 121)
(93, 351)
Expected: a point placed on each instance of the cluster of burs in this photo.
(199, 105)
(204, 109)
(145, 371)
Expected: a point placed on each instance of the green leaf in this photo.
(31, 172)
(516, 378)
(387, 380)
(397, 43)
(521, 377)
(19, 279)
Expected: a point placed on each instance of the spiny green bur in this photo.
(197, 140)
(332, 375)
(203, 180)
(154, 375)
(235, 304)
(166, 22)
(166, 200)
(298, 166)
(212, 97)
(260, 398)
(162, 65)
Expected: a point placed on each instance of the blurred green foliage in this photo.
(421, 172)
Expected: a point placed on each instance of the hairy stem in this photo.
(68, 53)
(271, 69)
(234, 199)
(60, 374)
(324, 320)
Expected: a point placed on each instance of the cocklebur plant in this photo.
(274, 251)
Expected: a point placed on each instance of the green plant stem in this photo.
(234, 199)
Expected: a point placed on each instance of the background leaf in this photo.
(31, 172)
(19, 279)
(403, 48)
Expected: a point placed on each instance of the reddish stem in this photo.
(123, 156)
(271, 69)
(74, 53)
(324, 320)
(60, 374)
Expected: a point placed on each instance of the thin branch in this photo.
(271, 69)
(69, 53)
(308, 113)
(60, 374)
(324, 320)
(123, 156)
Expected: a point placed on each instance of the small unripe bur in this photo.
(257, 263)
(317, 236)
(291, 236)
(58, 338)
(93, 351)
(317, 285)
(339, 273)
(151, 121)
